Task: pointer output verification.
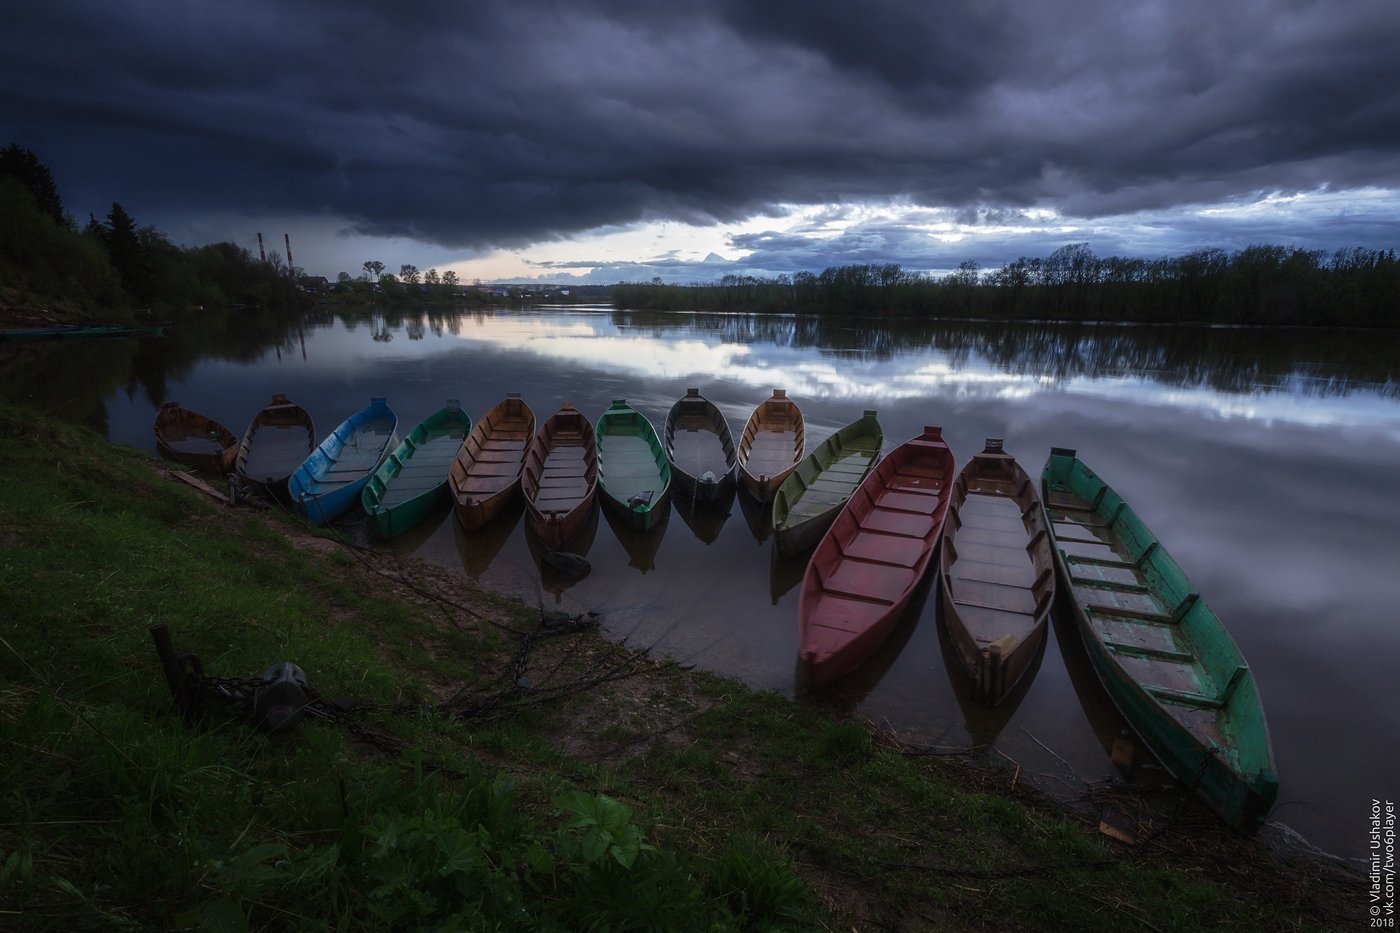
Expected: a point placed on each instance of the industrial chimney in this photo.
(288, 238)
(261, 254)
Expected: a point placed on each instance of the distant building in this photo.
(314, 283)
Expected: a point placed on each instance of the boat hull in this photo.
(997, 573)
(771, 446)
(195, 440)
(1162, 655)
(634, 475)
(412, 480)
(560, 478)
(813, 494)
(329, 482)
(278, 440)
(873, 559)
(700, 448)
(485, 477)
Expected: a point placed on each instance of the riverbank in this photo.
(530, 774)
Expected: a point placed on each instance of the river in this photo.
(1266, 462)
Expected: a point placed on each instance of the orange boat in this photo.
(772, 445)
(560, 479)
(876, 553)
(486, 472)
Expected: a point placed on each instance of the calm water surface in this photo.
(1267, 463)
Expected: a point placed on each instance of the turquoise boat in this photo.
(329, 482)
(634, 474)
(413, 479)
(1163, 656)
(809, 499)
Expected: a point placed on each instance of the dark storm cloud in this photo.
(509, 123)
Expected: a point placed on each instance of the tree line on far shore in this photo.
(1271, 285)
(114, 269)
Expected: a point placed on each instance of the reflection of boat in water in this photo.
(984, 723)
(759, 515)
(641, 546)
(480, 546)
(784, 572)
(560, 570)
(1104, 719)
(1162, 654)
(705, 519)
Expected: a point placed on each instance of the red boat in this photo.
(560, 478)
(873, 557)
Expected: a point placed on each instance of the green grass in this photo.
(669, 800)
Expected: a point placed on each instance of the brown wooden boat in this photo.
(278, 440)
(772, 445)
(486, 473)
(876, 553)
(560, 477)
(195, 440)
(997, 571)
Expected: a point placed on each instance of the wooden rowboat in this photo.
(328, 483)
(1163, 656)
(486, 473)
(279, 438)
(700, 448)
(997, 572)
(560, 478)
(771, 445)
(633, 472)
(195, 440)
(876, 553)
(413, 479)
(809, 499)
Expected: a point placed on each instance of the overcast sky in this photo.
(608, 140)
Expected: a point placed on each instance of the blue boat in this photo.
(329, 482)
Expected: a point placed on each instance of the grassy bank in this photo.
(534, 776)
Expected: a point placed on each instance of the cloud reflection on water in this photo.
(596, 340)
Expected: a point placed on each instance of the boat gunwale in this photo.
(1241, 794)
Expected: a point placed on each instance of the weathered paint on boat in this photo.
(809, 499)
(771, 445)
(486, 474)
(560, 478)
(412, 480)
(634, 475)
(328, 483)
(195, 440)
(278, 440)
(997, 570)
(700, 448)
(872, 559)
(1163, 656)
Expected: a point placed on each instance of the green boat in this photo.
(633, 472)
(1162, 654)
(413, 479)
(809, 499)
